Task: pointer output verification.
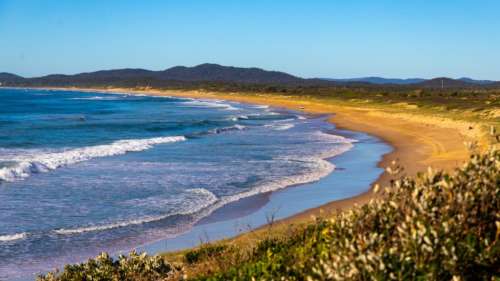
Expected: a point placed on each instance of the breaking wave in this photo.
(13, 237)
(236, 127)
(209, 103)
(44, 162)
(194, 200)
(96, 98)
(280, 127)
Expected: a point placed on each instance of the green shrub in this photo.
(436, 226)
(104, 268)
(205, 251)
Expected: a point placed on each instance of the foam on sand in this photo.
(44, 162)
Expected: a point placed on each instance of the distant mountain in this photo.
(479, 82)
(182, 76)
(378, 80)
(412, 81)
(494, 84)
(200, 73)
(4, 76)
(444, 82)
(215, 72)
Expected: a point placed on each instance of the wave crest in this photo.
(280, 127)
(50, 161)
(13, 237)
(236, 127)
(209, 104)
(199, 198)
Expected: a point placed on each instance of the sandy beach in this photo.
(418, 141)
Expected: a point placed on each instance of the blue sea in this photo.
(85, 172)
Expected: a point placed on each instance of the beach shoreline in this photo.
(418, 143)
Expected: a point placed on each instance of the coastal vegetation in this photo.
(124, 268)
(435, 226)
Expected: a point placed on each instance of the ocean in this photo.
(85, 172)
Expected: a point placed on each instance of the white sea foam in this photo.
(43, 162)
(280, 127)
(285, 120)
(236, 127)
(95, 98)
(260, 106)
(209, 103)
(332, 138)
(322, 168)
(240, 127)
(240, 117)
(319, 167)
(194, 200)
(13, 237)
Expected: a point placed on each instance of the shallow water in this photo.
(85, 172)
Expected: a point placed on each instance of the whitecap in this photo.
(210, 104)
(194, 200)
(13, 237)
(280, 127)
(236, 127)
(320, 135)
(260, 106)
(43, 162)
(95, 98)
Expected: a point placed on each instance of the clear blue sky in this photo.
(406, 38)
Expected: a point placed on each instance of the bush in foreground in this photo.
(104, 268)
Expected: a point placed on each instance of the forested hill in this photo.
(171, 76)
(203, 74)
